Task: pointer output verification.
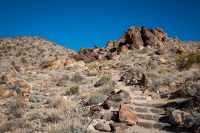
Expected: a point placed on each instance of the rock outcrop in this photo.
(133, 38)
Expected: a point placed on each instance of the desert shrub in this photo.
(103, 80)
(74, 89)
(138, 69)
(16, 109)
(191, 90)
(107, 89)
(18, 54)
(1, 55)
(27, 125)
(92, 72)
(193, 122)
(93, 64)
(61, 103)
(5, 51)
(13, 63)
(90, 59)
(54, 115)
(66, 77)
(27, 49)
(77, 78)
(23, 60)
(95, 98)
(35, 98)
(163, 70)
(155, 84)
(166, 78)
(75, 129)
(186, 61)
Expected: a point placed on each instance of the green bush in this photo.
(187, 60)
(95, 98)
(193, 122)
(35, 98)
(77, 78)
(103, 80)
(191, 90)
(74, 89)
(75, 129)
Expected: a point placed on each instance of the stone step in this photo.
(150, 116)
(147, 98)
(151, 124)
(149, 104)
(144, 109)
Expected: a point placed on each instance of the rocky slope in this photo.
(26, 51)
(152, 85)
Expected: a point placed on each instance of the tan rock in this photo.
(176, 117)
(24, 86)
(80, 63)
(5, 92)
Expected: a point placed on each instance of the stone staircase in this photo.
(151, 113)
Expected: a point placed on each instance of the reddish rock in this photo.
(133, 37)
(160, 52)
(127, 115)
(148, 37)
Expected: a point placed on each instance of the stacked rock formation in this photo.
(133, 38)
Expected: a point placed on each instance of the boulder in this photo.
(102, 126)
(176, 117)
(118, 127)
(160, 52)
(80, 64)
(109, 44)
(127, 115)
(116, 99)
(70, 62)
(133, 37)
(6, 92)
(24, 86)
(148, 37)
(144, 80)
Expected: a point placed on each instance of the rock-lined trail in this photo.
(151, 113)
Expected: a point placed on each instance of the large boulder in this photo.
(127, 115)
(103, 126)
(118, 127)
(148, 37)
(5, 92)
(176, 117)
(115, 100)
(133, 37)
(109, 44)
(24, 86)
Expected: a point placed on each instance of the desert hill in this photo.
(144, 82)
(26, 51)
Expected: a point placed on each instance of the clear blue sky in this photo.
(85, 23)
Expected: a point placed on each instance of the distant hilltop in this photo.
(133, 38)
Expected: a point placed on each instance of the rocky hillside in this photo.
(145, 82)
(26, 51)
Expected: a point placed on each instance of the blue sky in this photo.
(85, 23)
